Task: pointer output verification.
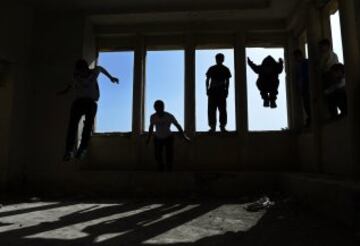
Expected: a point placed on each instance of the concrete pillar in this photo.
(295, 106)
(139, 87)
(352, 64)
(314, 28)
(190, 100)
(240, 85)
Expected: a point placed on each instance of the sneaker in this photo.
(266, 103)
(212, 130)
(273, 104)
(68, 156)
(81, 154)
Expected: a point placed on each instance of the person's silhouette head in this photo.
(220, 58)
(298, 55)
(159, 106)
(82, 67)
(325, 45)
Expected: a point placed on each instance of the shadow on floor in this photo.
(279, 226)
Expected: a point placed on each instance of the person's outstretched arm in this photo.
(181, 130)
(253, 66)
(151, 131)
(107, 74)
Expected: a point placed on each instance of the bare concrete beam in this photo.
(126, 7)
(202, 27)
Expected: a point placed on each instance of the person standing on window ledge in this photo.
(217, 89)
(164, 138)
(85, 104)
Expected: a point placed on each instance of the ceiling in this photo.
(249, 8)
(133, 12)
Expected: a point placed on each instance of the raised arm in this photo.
(253, 66)
(107, 74)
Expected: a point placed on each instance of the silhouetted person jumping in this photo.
(268, 81)
(302, 82)
(217, 88)
(85, 104)
(164, 138)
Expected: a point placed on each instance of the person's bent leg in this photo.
(307, 107)
(158, 151)
(90, 113)
(212, 112)
(273, 91)
(342, 102)
(332, 106)
(263, 92)
(75, 116)
(169, 144)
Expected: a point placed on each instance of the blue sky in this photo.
(115, 104)
(165, 81)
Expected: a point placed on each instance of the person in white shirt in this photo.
(328, 57)
(85, 104)
(164, 138)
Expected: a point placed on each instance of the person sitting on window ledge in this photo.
(268, 81)
(164, 138)
(335, 93)
(85, 104)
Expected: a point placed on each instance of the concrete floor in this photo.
(203, 222)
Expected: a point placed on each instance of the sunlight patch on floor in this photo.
(21, 206)
(76, 231)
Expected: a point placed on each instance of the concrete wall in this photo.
(336, 147)
(15, 43)
(229, 152)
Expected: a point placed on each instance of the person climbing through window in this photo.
(217, 89)
(302, 83)
(164, 138)
(268, 80)
(85, 104)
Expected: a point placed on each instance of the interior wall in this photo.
(58, 44)
(15, 43)
(229, 152)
